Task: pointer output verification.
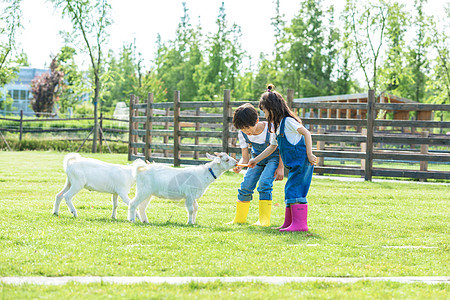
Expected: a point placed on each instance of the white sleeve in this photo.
(273, 139)
(292, 125)
(273, 136)
(290, 129)
(242, 142)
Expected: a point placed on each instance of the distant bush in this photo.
(59, 145)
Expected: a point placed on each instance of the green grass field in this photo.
(356, 229)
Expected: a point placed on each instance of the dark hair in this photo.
(274, 103)
(245, 116)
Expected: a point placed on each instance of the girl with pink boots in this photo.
(295, 146)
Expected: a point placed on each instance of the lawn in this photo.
(356, 229)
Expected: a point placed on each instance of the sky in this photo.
(143, 20)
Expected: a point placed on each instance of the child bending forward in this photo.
(257, 135)
(295, 146)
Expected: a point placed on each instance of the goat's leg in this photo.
(189, 203)
(134, 203)
(59, 197)
(115, 203)
(126, 200)
(73, 190)
(142, 207)
(194, 215)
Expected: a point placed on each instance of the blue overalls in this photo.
(263, 171)
(300, 169)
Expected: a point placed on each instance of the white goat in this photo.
(177, 184)
(96, 175)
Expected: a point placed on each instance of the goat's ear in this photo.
(209, 156)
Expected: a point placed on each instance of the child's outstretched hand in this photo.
(237, 169)
(312, 159)
(252, 163)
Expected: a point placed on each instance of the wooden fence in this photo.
(177, 132)
(22, 127)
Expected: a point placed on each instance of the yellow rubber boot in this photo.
(265, 208)
(241, 212)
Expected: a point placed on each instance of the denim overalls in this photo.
(263, 171)
(300, 169)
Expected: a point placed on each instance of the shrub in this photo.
(59, 145)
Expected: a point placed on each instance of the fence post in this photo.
(166, 127)
(197, 129)
(176, 128)
(348, 115)
(226, 123)
(290, 98)
(148, 127)
(363, 148)
(319, 115)
(21, 125)
(329, 113)
(100, 134)
(369, 145)
(136, 125)
(338, 116)
(130, 128)
(358, 116)
(311, 115)
(321, 146)
(424, 150)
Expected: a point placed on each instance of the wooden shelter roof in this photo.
(362, 96)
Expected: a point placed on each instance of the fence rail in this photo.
(21, 128)
(176, 133)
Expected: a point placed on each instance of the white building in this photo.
(20, 91)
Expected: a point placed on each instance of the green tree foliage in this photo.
(271, 71)
(365, 26)
(440, 79)
(73, 87)
(224, 59)
(417, 55)
(118, 78)
(10, 23)
(177, 61)
(125, 76)
(150, 83)
(394, 70)
(312, 54)
(90, 20)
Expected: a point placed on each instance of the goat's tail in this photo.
(69, 158)
(138, 166)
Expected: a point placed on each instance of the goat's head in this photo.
(223, 159)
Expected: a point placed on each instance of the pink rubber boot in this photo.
(299, 218)
(287, 218)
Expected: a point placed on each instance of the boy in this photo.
(256, 134)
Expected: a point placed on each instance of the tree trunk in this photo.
(95, 137)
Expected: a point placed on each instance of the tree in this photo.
(149, 83)
(90, 20)
(9, 25)
(178, 60)
(119, 76)
(224, 59)
(365, 27)
(312, 54)
(278, 23)
(73, 87)
(417, 56)
(394, 72)
(45, 89)
(440, 80)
